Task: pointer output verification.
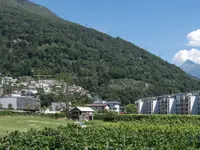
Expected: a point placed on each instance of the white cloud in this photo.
(194, 38)
(181, 56)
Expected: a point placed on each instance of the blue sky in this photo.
(159, 26)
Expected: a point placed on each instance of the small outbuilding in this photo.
(82, 113)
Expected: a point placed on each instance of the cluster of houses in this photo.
(30, 103)
(31, 87)
(182, 103)
(24, 103)
(86, 112)
(23, 98)
(97, 106)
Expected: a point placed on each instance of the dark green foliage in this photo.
(151, 118)
(108, 116)
(112, 136)
(7, 89)
(10, 107)
(80, 100)
(131, 109)
(76, 99)
(33, 41)
(47, 99)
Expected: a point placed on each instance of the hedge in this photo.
(150, 118)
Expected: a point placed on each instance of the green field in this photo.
(23, 123)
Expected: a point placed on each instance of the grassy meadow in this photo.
(23, 123)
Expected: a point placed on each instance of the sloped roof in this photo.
(85, 109)
(96, 105)
(112, 102)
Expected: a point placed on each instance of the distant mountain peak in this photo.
(189, 62)
(191, 68)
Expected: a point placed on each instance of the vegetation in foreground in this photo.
(158, 132)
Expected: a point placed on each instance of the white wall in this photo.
(47, 111)
(113, 106)
(155, 109)
(172, 106)
(194, 104)
(8, 100)
(116, 108)
(140, 106)
(58, 105)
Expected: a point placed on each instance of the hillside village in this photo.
(24, 94)
(31, 87)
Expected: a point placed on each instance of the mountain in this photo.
(28, 6)
(34, 41)
(191, 68)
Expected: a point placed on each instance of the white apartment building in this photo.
(147, 106)
(139, 105)
(167, 105)
(188, 103)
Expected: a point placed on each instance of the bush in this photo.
(107, 116)
(10, 107)
(131, 109)
(150, 118)
(106, 136)
(110, 116)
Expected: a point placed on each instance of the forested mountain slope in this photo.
(33, 43)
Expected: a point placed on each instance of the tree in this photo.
(1, 106)
(80, 100)
(47, 99)
(131, 109)
(10, 107)
(28, 107)
(65, 95)
(37, 107)
(7, 89)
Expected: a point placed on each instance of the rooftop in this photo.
(96, 105)
(85, 109)
(112, 102)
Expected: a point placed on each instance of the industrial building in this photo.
(182, 103)
(19, 103)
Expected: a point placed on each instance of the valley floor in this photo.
(23, 123)
(132, 132)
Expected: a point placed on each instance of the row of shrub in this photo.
(107, 136)
(13, 113)
(113, 117)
